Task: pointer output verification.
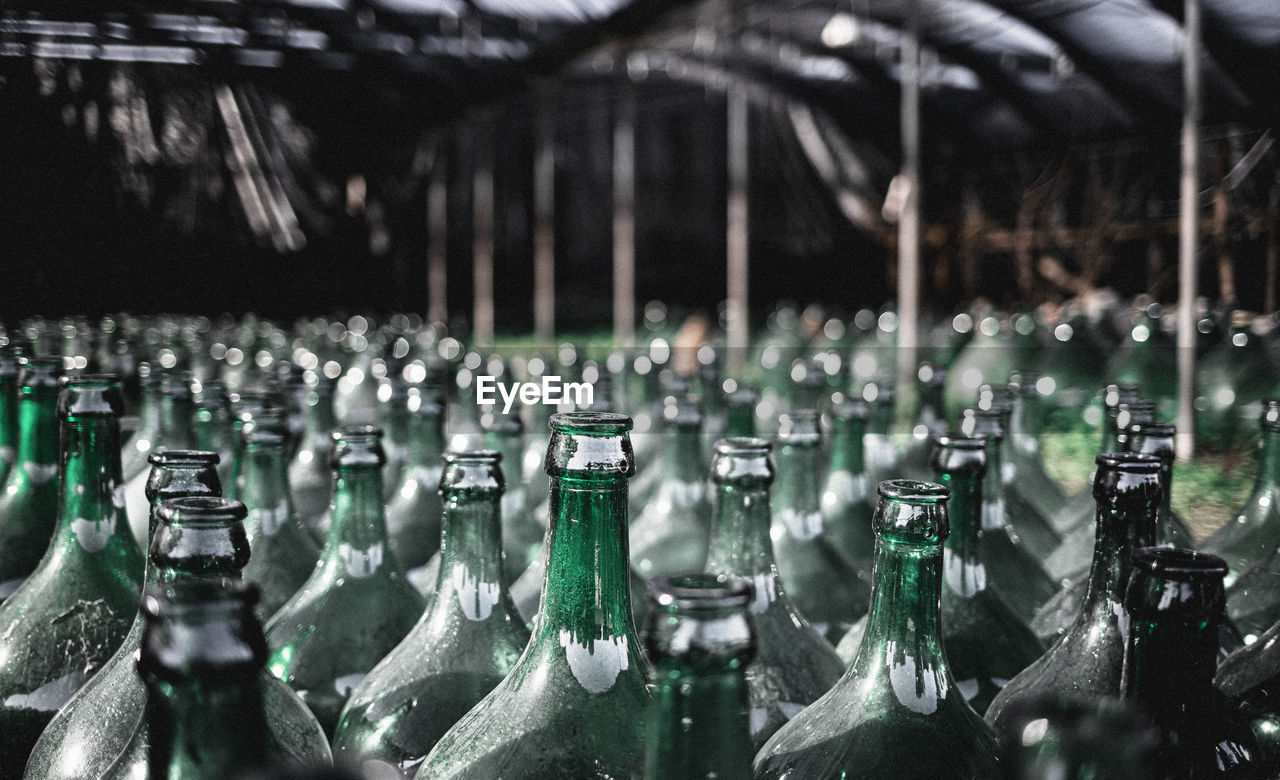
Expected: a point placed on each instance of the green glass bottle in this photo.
(671, 533)
(357, 605)
(1254, 534)
(827, 587)
(522, 531)
(1156, 438)
(701, 638)
(133, 459)
(469, 639)
(213, 424)
(1175, 601)
(9, 429)
(882, 456)
(1078, 511)
(79, 742)
(1028, 477)
(29, 505)
(202, 652)
(793, 664)
(1055, 738)
(310, 479)
(1030, 529)
(1086, 661)
(987, 644)
(284, 554)
(393, 418)
(575, 703)
(413, 513)
(846, 496)
(899, 694)
(1146, 358)
(71, 614)
(740, 413)
(175, 432)
(1014, 572)
(1250, 677)
(245, 405)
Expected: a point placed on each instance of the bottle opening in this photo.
(488, 457)
(700, 590)
(179, 458)
(590, 423)
(1129, 462)
(743, 445)
(1178, 563)
(908, 491)
(201, 511)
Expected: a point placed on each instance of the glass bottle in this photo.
(1031, 530)
(393, 416)
(413, 513)
(575, 703)
(671, 534)
(793, 664)
(175, 432)
(79, 742)
(213, 424)
(827, 588)
(310, 480)
(74, 609)
(522, 532)
(245, 405)
(1175, 602)
(700, 637)
(9, 430)
(133, 459)
(897, 711)
(987, 644)
(357, 605)
(741, 409)
(1023, 458)
(1156, 438)
(1078, 511)
(846, 499)
(284, 554)
(1254, 534)
(468, 640)
(883, 459)
(29, 504)
(1055, 738)
(1086, 661)
(1015, 573)
(1250, 677)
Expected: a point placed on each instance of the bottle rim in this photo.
(165, 458)
(959, 441)
(696, 591)
(490, 457)
(1178, 563)
(914, 492)
(743, 445)
(201, 511)
(590, 423)
(1128, 462)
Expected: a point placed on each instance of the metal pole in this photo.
(482, 240)
(437, 227)
(544, 229)
(909, 220)
(736, 228)
(624, 220)
(1188, 238)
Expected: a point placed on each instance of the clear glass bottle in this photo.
(846, 494)
(576, 701)
(793, 664)
(468, 640)
(29, 503)
(413, 513)
(897, 712)
(357, 605)
(1086, 661)
(700, 637)
(71, 614)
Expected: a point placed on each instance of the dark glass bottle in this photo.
(284, 554)
(1030, 529)
(468, 640)
(79, 742)
(1055, 738)
(794, 664)
(1250, 677)
(1155, 438)
(74, 610)
(310, 479)
(1254, 534)
(9, 430)
(1014, 572)
(1086, 661)
(1175, 601)
(671, 534)
(413, 513)
(575, 703)
(1078, 511)
(357, 605)
(827, 587)
(898, 696)
(700, 638)
(846, 494)
(29, 504)
(175, 432)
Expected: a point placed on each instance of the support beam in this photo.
(737, 230)
(437, 230)
(909, 218)
(544, 229)
(482, 239)
(624, 219)
(1188, 233)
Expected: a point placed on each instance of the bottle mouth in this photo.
(97, 396)
(695, 591)
(590, 423)
(1128, 462)
(743, 445)
(913, 492)
(184, 458)
(207, 511)
(486, 457)
(1178, 563)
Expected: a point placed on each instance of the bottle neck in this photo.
(797, 487)
(426, 439)
(1170, 663)
(1269, 463)
(91, 515)
(207, 728)
(176, 432)
(741, 419)
(1120, 530)
(471, 578)
(38, 426)
(320, 417)
(964, 572)
(904, 616)
(683, 461)
(992, 494)
(264, 489)
(149, 414)
(357, 539)
(740, 541)
(1024, 423)
(846, 447)
(698, 726)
